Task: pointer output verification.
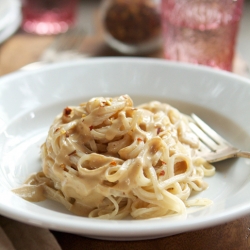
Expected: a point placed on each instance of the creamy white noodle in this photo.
(107, 159)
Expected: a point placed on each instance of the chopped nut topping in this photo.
(67, 111)
(159, 131)
(72, 153)
(162, 173)
(113, 163)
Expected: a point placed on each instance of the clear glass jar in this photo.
(132, 27)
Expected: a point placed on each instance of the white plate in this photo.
(10, 29)
(6, 12)
(10, 18)
(29, 101)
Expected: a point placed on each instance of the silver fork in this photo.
(213, 147)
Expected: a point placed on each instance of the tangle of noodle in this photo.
(108, 159)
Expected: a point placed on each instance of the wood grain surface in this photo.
(234, 235)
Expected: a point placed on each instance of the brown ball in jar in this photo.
(133, 21)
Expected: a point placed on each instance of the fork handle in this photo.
(243, 154)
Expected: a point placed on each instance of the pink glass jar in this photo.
(46, 17)
(201, 31)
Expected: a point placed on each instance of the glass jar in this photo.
(132, 26)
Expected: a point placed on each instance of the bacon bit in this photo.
(113, 163)
(91, 127)
(67, 111)
(72, 153)
(159, 131)
(162, 173)
(163, 163)
(139, 139)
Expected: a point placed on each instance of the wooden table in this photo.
(22, 49)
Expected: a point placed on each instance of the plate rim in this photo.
(118, 231)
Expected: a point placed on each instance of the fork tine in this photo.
(204, 148)
(203, 137)
(208, 130)
(209, 139)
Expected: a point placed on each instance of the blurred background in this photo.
(97, 29)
